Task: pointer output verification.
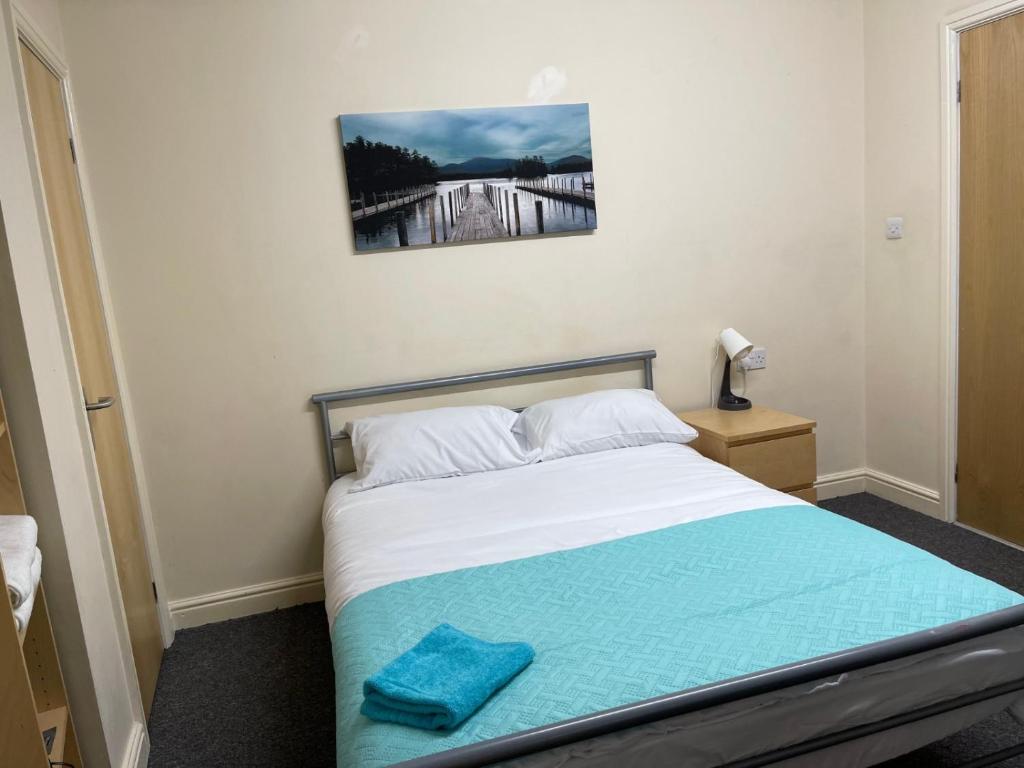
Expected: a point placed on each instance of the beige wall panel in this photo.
(904, 331)
(729, 151)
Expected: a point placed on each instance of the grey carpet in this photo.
(259, 692)
(254, 692)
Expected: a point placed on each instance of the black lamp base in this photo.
(727, 401)
(733, 403)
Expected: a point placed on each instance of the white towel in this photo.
(23, 613)
(22, 568)
(18, 532)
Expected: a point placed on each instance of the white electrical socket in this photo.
(755, 361)
(894, 228)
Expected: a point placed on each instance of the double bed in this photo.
(681, 613)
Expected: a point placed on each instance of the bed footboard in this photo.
(556, 735)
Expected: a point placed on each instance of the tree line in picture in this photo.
(379, 167)
(376, 167)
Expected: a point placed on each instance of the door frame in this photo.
(949, 42)
(29, 33)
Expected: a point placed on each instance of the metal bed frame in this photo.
(324, 399)
(692, 700)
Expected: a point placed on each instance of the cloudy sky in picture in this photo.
(454, 136)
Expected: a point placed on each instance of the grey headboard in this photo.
(323, 400)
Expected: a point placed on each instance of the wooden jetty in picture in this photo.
(478, 219)
(570, 190)
(463, 218)
(389, 201)
(461, 214)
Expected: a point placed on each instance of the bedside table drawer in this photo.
(787, 462)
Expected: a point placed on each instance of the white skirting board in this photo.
(894, 489)
(246, 601)
(137, 753)
(840, 484)
(910, 495)
(284, 593)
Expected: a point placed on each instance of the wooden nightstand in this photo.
(772, 447)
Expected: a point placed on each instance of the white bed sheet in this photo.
(403, 531)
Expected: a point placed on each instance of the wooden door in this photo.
(95, 366)
(990, 439)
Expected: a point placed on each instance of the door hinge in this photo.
(155, 598)
(957, 91)
(956, 472)
(74, 155)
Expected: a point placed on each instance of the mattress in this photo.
(406, 530)
(634, 573)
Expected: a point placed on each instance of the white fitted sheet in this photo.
(403, 531)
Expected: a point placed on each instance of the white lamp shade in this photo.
(735, 346)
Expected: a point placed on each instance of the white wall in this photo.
(51, 439)
(729, 157)
(44, 18)
(903, 277)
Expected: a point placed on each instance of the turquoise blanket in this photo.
(652, 614)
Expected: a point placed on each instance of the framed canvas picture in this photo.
(450, 176)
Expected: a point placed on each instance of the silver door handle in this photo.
(99, 405)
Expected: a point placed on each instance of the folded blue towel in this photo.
(442, 680)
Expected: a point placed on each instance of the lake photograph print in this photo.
(446, 176)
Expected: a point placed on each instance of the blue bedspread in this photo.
(648, 615)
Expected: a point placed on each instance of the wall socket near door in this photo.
(894, 228)
(755, 361)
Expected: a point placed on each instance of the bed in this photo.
(682, 614)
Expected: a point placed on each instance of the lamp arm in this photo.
(727, 401)
(726, 388)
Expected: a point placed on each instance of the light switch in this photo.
(894, 228)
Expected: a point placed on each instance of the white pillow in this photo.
(599, 421)
(440, 442)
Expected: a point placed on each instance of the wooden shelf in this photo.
(33, 701)
(55, 719)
